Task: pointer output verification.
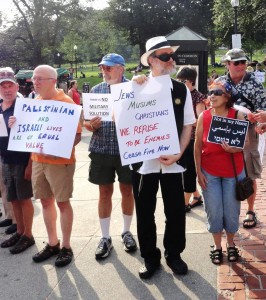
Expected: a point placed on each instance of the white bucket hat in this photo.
(153, 44)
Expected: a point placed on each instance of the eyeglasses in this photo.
(166, 57)
(242, 62)
(105, 68)
(216, 92)
(7, 75)
(41, 79)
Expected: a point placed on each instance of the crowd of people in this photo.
(50, 178)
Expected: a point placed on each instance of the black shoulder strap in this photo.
(239, 95)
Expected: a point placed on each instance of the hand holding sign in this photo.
(43, 126)
(230, 131)
(145, 121)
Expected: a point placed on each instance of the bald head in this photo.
(46, 69)
(44, 80)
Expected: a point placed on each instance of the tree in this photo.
(41, 25)
(141, 20)
(251, 23)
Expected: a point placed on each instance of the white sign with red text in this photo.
(145, 121)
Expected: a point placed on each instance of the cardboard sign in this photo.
(231, 131)
(3, 129)
(145, 121)
(260, 76)
(97, 105)
(44, 126)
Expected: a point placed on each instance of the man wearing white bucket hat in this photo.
(165, 170)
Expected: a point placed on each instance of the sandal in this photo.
(232, 254)
(11, 241)
(187, 208)
(23, 244)
(198, 202)
(253, 220)
(216, 256)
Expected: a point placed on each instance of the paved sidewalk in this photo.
(117, 276)
(247, 278)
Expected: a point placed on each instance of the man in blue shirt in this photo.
(16, 171)
(106, 163)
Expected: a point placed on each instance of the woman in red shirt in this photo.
(216, 174)
(73, 92)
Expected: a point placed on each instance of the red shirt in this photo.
(214, 160)
(76, 96)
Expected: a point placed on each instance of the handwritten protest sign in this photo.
(231, 131)
(260, 76)
(45, 126)
(3, 130)
(97, 105)
(145, 121)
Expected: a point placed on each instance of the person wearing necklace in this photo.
(216, 174)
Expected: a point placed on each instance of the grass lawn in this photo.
(92, 71)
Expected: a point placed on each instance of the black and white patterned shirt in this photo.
(250, 88)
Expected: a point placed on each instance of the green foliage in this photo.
(251, 19)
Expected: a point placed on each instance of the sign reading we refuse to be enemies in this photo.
(145, 121)
(231, 131)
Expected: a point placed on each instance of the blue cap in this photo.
(112, 59)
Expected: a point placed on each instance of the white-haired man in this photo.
(166, 170)
(52, 178)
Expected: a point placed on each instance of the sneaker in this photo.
(11, 229)
(47, 252)
(129, 242)
(64, 257)
(104, 248)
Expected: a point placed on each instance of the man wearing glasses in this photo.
(166, 170)
(52, 178)
(248, 93)
(106, 163)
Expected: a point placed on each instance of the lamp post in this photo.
(236, 38)
(76, 63)
(59, 61)
(235, 4)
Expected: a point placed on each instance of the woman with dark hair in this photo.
(188, 76)
(216, 174)
(73, 91)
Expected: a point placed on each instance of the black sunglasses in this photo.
(242, 62)
(166, 57)
(216, 92)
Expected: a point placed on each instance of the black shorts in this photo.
(103, 169)
(18, 188)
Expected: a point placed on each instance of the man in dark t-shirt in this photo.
(16, 171)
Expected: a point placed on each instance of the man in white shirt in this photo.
(166, 170)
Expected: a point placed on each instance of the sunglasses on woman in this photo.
(216, 92)
(166, 57)
(242, 62)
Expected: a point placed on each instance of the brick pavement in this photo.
(246, 279)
